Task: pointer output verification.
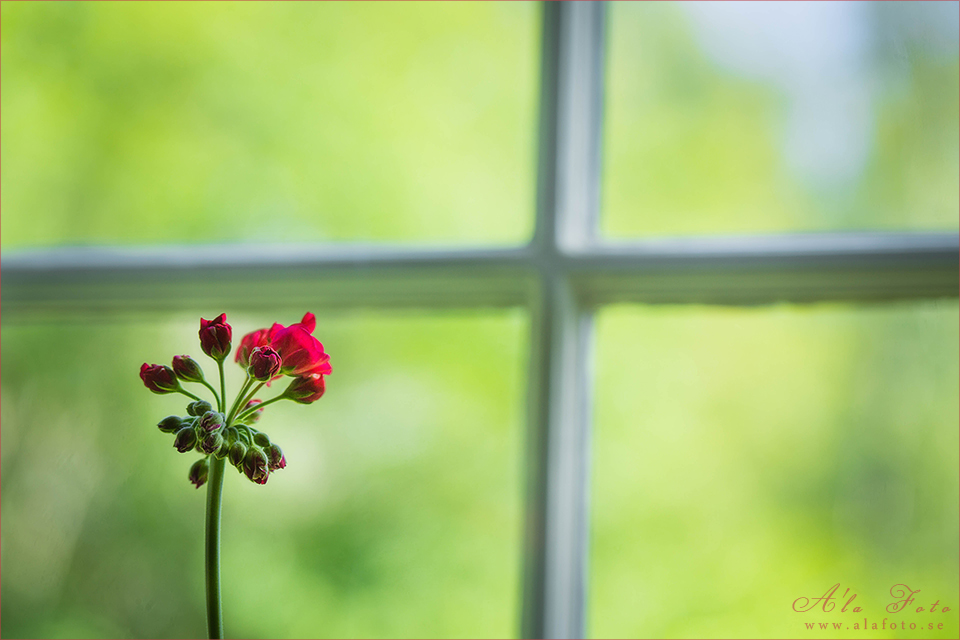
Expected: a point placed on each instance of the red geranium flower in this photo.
(254, 339)
(215, 336)
(266, 355)
(299, 351)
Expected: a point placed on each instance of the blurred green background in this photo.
(746, 458)
(268, 122)
(768, 117)
(742, 457)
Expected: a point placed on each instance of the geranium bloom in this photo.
(300, 352)
(254, 339)
(266, 355)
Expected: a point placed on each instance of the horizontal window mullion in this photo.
(765, 285)
(768, 269)
(748, 270)
(114, 280)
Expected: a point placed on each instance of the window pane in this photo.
(190, 122)
(398, 514)
(747, 458)
(745, 117)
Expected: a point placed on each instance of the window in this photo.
(435, 499)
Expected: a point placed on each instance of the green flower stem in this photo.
(236, 404)
(214, 500)
(250, 395)
(188, 394)
(214, 392)
(214, 495)
(244, 414)
(222, 400)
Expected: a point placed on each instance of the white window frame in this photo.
(562, 276)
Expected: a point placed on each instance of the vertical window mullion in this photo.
(561, 327)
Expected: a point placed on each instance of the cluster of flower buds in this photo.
(204, 430)
(265, 355)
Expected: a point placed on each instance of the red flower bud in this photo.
(264, 363)
(198, 472)
(253, 416)
(187, 369)
(255, 465)
(159, 378)
(306, 388)
(186, 439)
(211, 421)
(211, 442)
(276, 459)
(215, 336)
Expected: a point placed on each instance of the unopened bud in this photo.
(237, 452)
(255, 465)
(186, 439)
(223, 451)
(199, 407)
(211, 442)
(261, 439)
(211, 421)
(275, 458)
(187, 369)
(158, 378)
(170, 424)
(306, 388)
(198, 472)
(264, 363)
(215, 336)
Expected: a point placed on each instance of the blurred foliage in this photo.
(692, 146)
(743, 457)
(746, 458)
(148, 122)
